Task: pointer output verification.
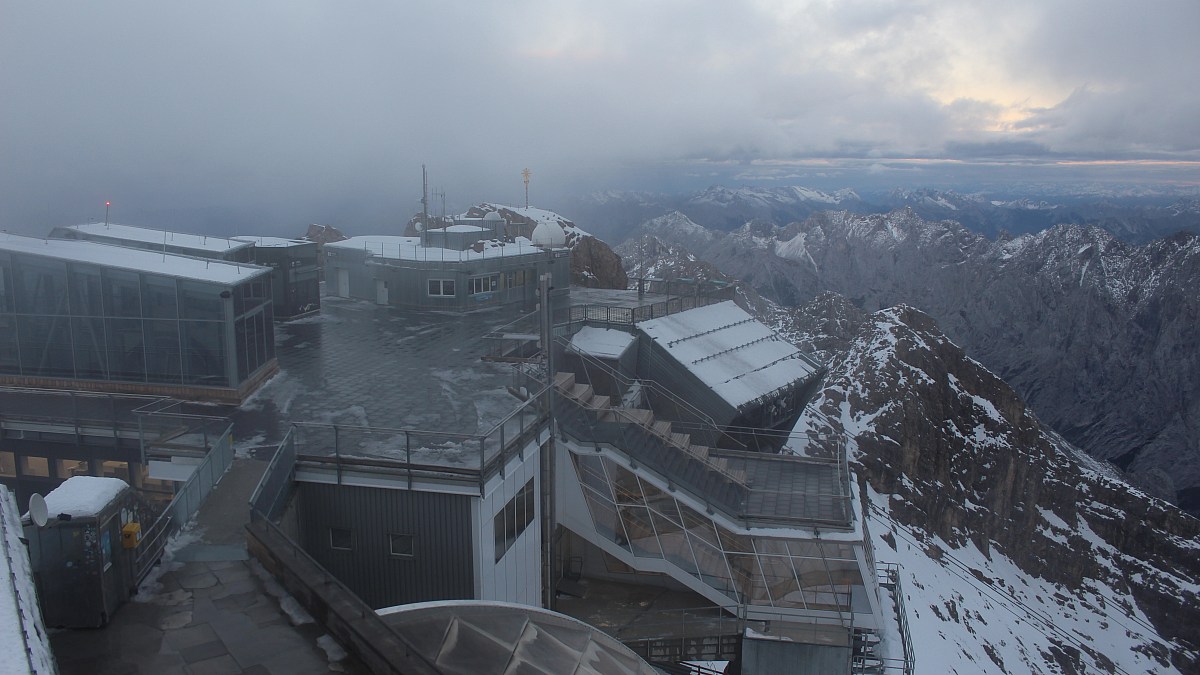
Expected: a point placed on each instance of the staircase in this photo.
(594, 418)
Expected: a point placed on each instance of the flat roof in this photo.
(730, 351)
(410, 248)
(271, 242)
(605, 343)
(133, 259)
(147, 235)
(362, 365)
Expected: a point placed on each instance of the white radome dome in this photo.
(492, 216)
(548, 236)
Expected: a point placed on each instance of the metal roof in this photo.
(134, 259)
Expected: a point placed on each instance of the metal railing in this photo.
(889, 578)
(408, 453)
(270, 496)
(186, 503)
(349, 605)
(684, 412)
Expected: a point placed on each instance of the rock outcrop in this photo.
(961, 464)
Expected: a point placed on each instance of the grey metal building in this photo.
(89, 316)
(295, 273)
(460, 267)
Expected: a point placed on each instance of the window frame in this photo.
(442, 285)
(333, 544)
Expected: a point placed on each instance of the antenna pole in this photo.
(424, 198)
(526, 173)
(106, 205)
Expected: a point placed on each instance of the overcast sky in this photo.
(274, 114)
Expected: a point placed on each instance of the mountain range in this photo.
(1134, 216)
(1095, 333)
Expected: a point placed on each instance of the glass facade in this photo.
(811, 574)
(65, 319)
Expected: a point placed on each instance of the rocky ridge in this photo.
(1019, 554)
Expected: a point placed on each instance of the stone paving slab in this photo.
(188, 633)
(211, 613)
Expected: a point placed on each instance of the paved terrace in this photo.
(360, 365)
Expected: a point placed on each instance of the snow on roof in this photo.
(410, 248)
(605, 343)
(465, 228)
(271, 242)
(136, 259)
(198, 242)
(729, 351)
(21, 625)
(84, 496)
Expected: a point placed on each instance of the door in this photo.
(343, 289)
(381, 292)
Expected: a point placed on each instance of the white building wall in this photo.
(517, 576)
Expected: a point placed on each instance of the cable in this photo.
(1006, 600)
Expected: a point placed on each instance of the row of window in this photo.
(649, 523)
(510, 522)
(136, 350)
(399, 545)
(487, 283)
(33, 466)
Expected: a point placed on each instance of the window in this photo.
(73, 467)
(401, 545)
(8, 464)
(512, 520)
(483, 284)
(441, 287)
(340, 539)
(35, 466)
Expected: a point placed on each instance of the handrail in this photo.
(490, 449)
(359, 608)
(657, 388)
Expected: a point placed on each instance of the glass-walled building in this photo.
(88, 316)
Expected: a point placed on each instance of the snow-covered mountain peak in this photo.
(1016, 555)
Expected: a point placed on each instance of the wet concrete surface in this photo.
(206, 609)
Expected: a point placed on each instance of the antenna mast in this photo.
(526, 173)
(424, 199)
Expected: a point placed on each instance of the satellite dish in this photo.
(37, 510)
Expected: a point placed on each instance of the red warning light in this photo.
(108, 203)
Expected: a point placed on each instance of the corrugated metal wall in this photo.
(441, 565)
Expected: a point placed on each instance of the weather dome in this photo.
(492, 216)
(548, 235)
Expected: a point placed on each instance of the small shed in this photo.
(84, 557)
(734, 368)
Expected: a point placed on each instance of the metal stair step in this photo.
(564, 381)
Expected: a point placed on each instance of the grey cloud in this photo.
(271, 114)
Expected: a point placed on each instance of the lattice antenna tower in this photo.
(526, 173)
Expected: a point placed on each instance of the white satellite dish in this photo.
(37, 510)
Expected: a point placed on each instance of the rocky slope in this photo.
(1096, 334)
(1018, 553)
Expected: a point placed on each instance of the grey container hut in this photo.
(84, 557)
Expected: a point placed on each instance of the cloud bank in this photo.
(276, 113)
